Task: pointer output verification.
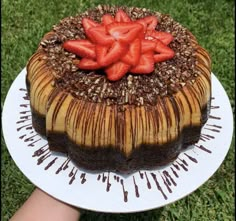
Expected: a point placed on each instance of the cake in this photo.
(119, 88)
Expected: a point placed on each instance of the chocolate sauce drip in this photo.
(166, 179)
(174, 172)
(203, 148)
(205, 137)
(166, 184)
(44, 157)
(117, 178)
(71, 172)
(24, 105)
(213, 125)
(124, 191)
(25, 117)
(141, 174)
(32, 144)
(22, 121)
(215, 107)
(214, 130)
(168, 176)
(40, 151)
(51, 163)
(21, 137)
(108, 183)
(148, 183)
(19, 128)
(24, 112)
(214, 117)
(176, 166)
(26, 97)
(64, 166)
(22, 89)
(82, 177)
(191, 158)
(99, 177)
(73, 176)
(30, 138)
(104, 178)
(183, 166)
(184, 162)
(158, 185)
(136, 188)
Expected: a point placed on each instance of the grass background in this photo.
(24, 22)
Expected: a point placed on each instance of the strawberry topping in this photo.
(120, 45)
(121, 16)
(107, 55)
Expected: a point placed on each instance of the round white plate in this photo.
(109, 192)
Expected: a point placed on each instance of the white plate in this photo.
(110, 192)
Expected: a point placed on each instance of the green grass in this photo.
(212, 22)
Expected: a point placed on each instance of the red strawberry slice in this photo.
(100, 36)
(165, 37)
(121, 16)
(133, 55)
(124, 31)
(145, 65)
(164, 51)
(117, 70)
(82, 48)
(149, 22)
(107, 19)
(147, 45)
(89, 23)
(88, 64)
(107, 55)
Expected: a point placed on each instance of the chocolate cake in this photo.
(119, 88)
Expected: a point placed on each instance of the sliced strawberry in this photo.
(133, 55)
(165, 37)
(147, 45)
(107, 55)
(88, 64)
(145, 65)
(149, 22)
(100, 36)
(107, 19)
(117, 70)
(82, 48)
(121, 16)
(89, 23)
(124, 31)
(164, 51)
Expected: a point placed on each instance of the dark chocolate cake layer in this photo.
(138, 122)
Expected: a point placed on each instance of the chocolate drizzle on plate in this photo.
(136, 188)
(64, 166)
(166, 180)
(125, 192)
(158, 185)
(82, 177)
(191, 158)
(51, 163)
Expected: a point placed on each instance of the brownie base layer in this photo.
(111, 159)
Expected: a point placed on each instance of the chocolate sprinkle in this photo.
(167, 78)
